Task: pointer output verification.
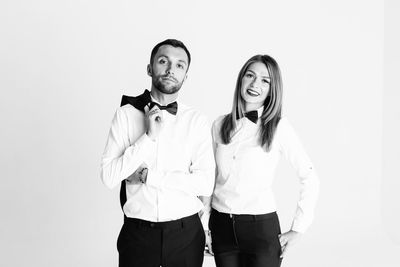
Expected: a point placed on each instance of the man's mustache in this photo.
(169, 77)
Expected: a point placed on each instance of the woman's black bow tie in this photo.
(252, 116)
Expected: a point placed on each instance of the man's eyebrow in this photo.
(180, 60)
(162, 56)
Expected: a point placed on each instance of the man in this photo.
(161, 152)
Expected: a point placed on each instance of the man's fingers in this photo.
(156, 115)
(154, 110)
(210, 249)
(144, 173)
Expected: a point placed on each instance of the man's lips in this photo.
(168, 78)
(252, 92)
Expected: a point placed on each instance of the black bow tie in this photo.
(252, 115)
(171, 107)
(139, 102)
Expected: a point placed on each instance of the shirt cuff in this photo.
(155, 178)
(148, 148)
(299, 226)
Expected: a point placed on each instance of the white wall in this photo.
(390, 205)
(65, 64)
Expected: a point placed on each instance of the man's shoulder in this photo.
(129, 111)
(193, 114)
(190, 111)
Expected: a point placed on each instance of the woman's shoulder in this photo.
(217, 125)
(283, 122)
(219, 121)
(285, 132)
(283, 127)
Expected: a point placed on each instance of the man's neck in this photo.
(163, 99)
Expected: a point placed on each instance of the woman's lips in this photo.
(252, 92)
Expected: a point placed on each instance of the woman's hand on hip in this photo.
(287, 240)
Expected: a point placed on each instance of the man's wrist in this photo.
(142, 178)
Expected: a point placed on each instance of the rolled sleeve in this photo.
(294, 152)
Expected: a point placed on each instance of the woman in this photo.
(248, 143)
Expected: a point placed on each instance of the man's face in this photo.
(168, 70)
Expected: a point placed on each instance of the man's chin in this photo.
(167, 89)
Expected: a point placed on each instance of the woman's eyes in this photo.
(252, 76)
(265, 81)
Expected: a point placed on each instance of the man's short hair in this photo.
(171, 42)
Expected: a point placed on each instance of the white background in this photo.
(65, 64)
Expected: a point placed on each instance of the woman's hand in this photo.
(287, 240)
(208, 249)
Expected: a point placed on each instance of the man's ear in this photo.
(184, 79)
(149, 70)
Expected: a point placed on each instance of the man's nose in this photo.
(170, 70)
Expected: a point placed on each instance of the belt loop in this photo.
(255, 218)
(182, 224)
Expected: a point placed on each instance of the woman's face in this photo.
(255, 86)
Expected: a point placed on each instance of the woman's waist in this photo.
(234, 202)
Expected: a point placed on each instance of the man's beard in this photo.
(166, 89)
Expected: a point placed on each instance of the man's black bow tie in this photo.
(252, 115)
(171, 108)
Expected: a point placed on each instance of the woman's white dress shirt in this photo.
(245, 171)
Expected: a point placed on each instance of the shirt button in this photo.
(152, 225)
(234, 157)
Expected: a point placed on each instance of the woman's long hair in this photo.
(272, 104)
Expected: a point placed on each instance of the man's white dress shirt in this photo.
(180, 163)
(245, 171)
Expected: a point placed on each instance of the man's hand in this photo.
(208, 248)
(139, 176)
(154, 122)
(287, 240)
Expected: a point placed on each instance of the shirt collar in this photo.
(260, 111)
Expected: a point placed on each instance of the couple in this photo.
(163, 155)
